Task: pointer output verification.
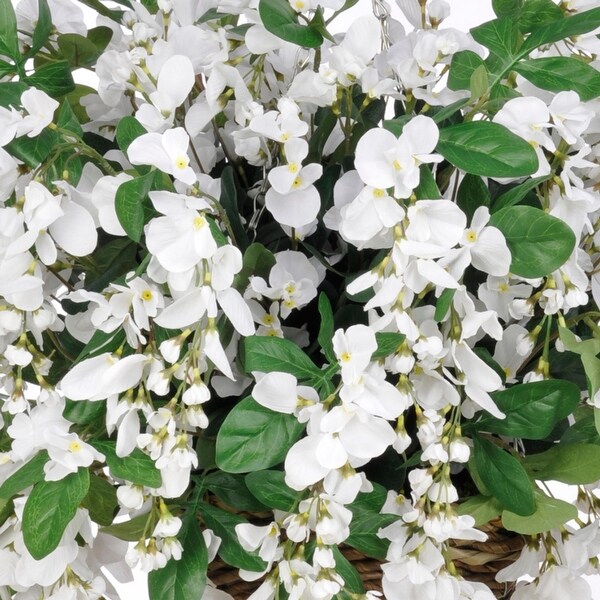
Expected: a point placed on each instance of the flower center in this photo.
(345, 357)
(293, 167)
(471, 236)
(74, 446)
(181, 162)
(147, 295)
(199, 222)
(378, 193)
(297, 183)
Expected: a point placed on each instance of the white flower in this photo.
(40, 112)
(384, 161)
(166, 151)
(181, 238)
(353, 349)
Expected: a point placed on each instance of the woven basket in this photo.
(477, 561)
(480, 561)
(226, 578)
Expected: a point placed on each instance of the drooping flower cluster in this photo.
(349, 279)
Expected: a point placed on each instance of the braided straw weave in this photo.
(480, 561)
(477, 561)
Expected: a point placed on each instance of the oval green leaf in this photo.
(504, 476)
(51, 506)
(281, 20)
(532, 409)
(487, 149)
(550, 513)
(539, 243)
(253, 437)
(183, 579)
(562, 73)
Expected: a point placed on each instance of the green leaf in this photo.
(363, 533)
(133, 530)
(266, 354)
(396, 125)
(253, 437)
(281, 20)
(591, 365)
(369, 501)
(427, 188)
(561, 29)
(479, 82)
(550, 513)
(500, 36)
(137, 467)
(101, 342)
(317, 23)
(504, 476)
(51, 506)
(42, 29)
(481, 508)
(326, 328)
(463, 66)
(507, 8)
(532, 409)
(183, 579)
(223, 524)
(29, 474)
(32, 151)
(257, 262)
(68, 120)
(449, 111)
(352, 579)
(6, 69)
(128, 129)
(100, 36)
(539, 243)
(98, 7)
(53, 78)
(487, 149)
(387, 343)
(270, 488)
(516, 194)
(129, 204)
(562, 73)
(538, 12)
(443, 304)
(572, 344)
(472, 193)
(232, 490)
(101, 501)
(576, 464)
(78, 50)
(9, 42)
(10, 93)
(230, 202)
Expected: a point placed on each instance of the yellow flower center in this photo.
(284, 137)
(147, 295)
(471, 236)
(74, 446)
(378, 193)
(267, 319)
(199, 222)
(503, 287)
(396, 165)
(346, 357)
(297, 183)
(293, 167)
(181, 162)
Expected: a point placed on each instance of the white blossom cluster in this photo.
(158, 346)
